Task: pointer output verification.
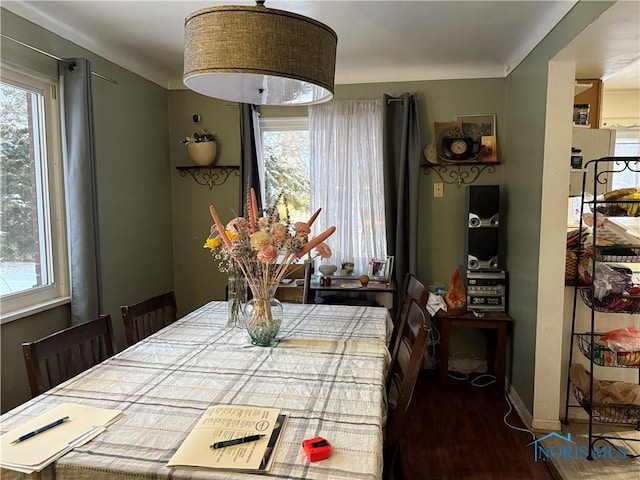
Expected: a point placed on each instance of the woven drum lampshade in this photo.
(259, 55)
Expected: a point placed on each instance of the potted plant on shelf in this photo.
(202, 148)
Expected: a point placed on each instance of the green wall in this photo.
(196, 275)
(134, 193)
(526, 92)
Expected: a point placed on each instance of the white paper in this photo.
(35, 453)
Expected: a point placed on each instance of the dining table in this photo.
(327, 373)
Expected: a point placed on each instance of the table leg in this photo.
(501, 355)
(492, 350)
(444, 349)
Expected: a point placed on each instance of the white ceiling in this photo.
(378, 41)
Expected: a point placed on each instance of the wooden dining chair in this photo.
(413, 334)
(412, 289)
(64, 354)
(307, 293)
(293, 293)
(148, 316)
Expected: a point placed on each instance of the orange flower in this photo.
(268, 253)
(313, 217)
(279, 235)
(302, 229)
(323, 250)
(237, 225)
(316, 241)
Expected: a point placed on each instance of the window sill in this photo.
(32, 310)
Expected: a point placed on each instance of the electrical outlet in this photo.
(438, 190)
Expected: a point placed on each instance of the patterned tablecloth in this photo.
(327, 373)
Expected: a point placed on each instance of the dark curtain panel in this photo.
(249, 148)
(402, 152)
(81, 192)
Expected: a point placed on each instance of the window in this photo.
(285, 150)
(33, 259)
(627, 145)
(345, 179)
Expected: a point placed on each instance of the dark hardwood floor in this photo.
(457, 432)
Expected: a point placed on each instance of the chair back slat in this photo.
(413, 334)
(307, 296)
(148, 316)
(412, 289)
(62, 355)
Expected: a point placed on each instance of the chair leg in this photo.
(397, 473)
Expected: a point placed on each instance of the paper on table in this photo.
(32, 455)
(226, 422)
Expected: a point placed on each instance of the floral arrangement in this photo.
(200, 137)
(254, 245)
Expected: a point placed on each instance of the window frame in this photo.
(27, 302)
(624, 136)
(277, 124)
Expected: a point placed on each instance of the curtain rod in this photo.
(399, 99)
(54, 57)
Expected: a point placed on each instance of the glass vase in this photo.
(263, 316)
(236, 298)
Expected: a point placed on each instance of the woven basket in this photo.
(571, 265)
(571, 262)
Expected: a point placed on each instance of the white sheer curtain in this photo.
(347, 180)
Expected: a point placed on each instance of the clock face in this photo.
(458, 147)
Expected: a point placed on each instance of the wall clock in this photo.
(463, 148)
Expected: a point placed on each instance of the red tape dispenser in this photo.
(317, 448)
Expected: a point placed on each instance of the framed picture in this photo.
(388, 269)
(476, 126)
(488, 151)
(381, 270)
(377, 269)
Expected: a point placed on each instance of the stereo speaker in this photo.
(482, 227)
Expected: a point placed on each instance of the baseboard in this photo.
(536, 425)
(518, 405)
(546, 426)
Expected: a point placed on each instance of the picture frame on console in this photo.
(381, 270)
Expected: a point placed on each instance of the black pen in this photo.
(40, 430)
(236, 441)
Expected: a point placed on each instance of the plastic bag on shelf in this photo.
(625, 339)
(609, 281)
(456, 292)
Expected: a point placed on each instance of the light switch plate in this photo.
(438, 189)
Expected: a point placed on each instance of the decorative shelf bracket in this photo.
(456, 175)
(210, 176)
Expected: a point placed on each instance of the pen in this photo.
(24, 437)
(237, 441)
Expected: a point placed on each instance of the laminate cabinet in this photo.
(589, 91)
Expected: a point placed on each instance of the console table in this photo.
(383, 292)
(496, 344)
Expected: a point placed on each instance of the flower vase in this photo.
(236, 298)
(263, 316)
(202, 153)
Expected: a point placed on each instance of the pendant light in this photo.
(259, 55)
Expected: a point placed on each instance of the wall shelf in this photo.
(209, 176)
(455, 174)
